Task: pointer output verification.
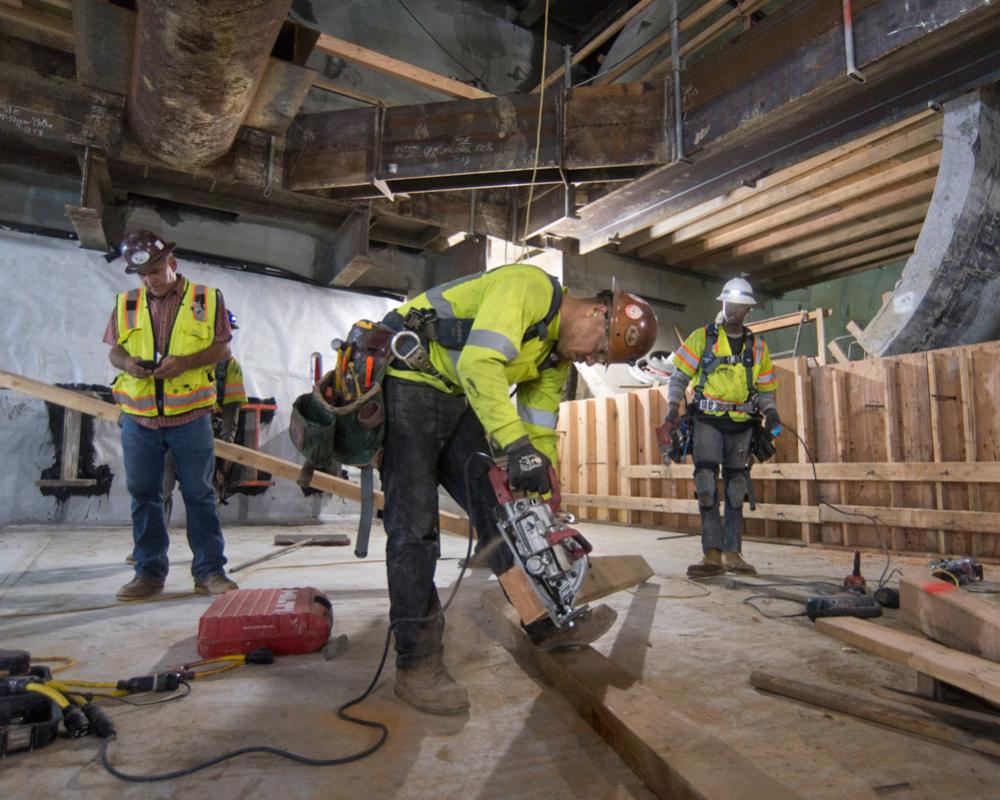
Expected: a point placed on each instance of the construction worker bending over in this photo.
(734, 379)
(512, 326)
(166, 337)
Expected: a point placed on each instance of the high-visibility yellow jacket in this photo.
(727, 382)
(193, 331)
(229, 385)
(503, 304)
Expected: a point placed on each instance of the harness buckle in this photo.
(407, 347)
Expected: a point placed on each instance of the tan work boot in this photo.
(734, 563)
(139, 588)
(428, 687)
(586, 629)
(710, 564)
(216, 583)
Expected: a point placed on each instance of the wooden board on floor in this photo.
(864, 706)
(667, 750)
(607, 575)
(974, 674)
(451, 523)
(951, 616)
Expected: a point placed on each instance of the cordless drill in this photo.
(855, 582)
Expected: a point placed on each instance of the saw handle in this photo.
(502, 490)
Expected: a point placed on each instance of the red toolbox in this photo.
(288, 621)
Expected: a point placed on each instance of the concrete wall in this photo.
(59, 300)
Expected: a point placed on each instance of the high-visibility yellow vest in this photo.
(193, 331)
(504, 303)
(229, 386)
(727, 382)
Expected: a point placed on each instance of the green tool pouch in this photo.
(342, 420)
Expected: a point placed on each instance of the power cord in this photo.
(383, 731)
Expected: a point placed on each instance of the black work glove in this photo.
(527, 469)
(771, 419)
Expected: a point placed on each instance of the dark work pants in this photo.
(429, 437)
(711, 449)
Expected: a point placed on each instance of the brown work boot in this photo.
(710, 564)
(586, 629)
(428, 687)
(216, 583)
(734, 563)
(139, 587)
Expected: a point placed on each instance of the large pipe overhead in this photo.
(195, 70)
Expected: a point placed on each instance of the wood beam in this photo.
(596, 42)
(344, 91)
(792, 320)
(345, 258)
(821, 181)
(279, 96)
(663, 747)
(892, 471)
(387, 65)
(951, 615)
(848, 266)
(50, 30)
(238, 454)
(968, 672)
(685, 245)
(802, 104)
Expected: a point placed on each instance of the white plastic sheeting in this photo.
(59, 300)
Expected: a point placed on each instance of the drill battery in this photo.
(288, 621)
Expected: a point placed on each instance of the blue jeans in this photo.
(194, 454)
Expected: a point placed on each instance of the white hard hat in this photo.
(739, 291)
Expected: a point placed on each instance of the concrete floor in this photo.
(521, 739)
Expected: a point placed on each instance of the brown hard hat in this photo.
(143, 249)
(632, 328)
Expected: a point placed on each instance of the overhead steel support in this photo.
(609, 132)
(950, 288)
(794, 100)
(195, 70)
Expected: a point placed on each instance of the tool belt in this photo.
(704, 404)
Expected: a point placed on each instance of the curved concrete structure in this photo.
(949, 293)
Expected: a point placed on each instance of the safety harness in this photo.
(710, 361)
(451, 333)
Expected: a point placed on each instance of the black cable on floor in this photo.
(341, 711)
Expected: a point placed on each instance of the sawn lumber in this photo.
(951, 616)
(667, 750)
(452, 523)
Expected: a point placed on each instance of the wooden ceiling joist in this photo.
(876, 258)
(344, 91)
(850, 167)
(395, 68)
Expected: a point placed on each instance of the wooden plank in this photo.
(648, 452)
(56, 483)
(969, 426)
(279, 96)
(838, 353)
(69, 464)
(664, 748)
(864, 706)
(607, 449)
(451, 523)
(575, 458)
(606, 575)
(50, 30)
(593, 463)
(840, 436)
(845, 514)
(974, 674)
(805, 446)
(917, 472)
(344, 91)
(789, 320)
(978, 719)
(89, 227)
(890, 398)
(395, 68)
(596, 42)
(951, 615)
(631, 450)
(934, 389)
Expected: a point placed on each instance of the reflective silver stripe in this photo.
(534, 416)
(454, 355)
(435, 296)
(493, 341)
(719, 405)
(125, 401)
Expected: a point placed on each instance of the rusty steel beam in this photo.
(781, 94)
(195, 70)
(588, 133)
